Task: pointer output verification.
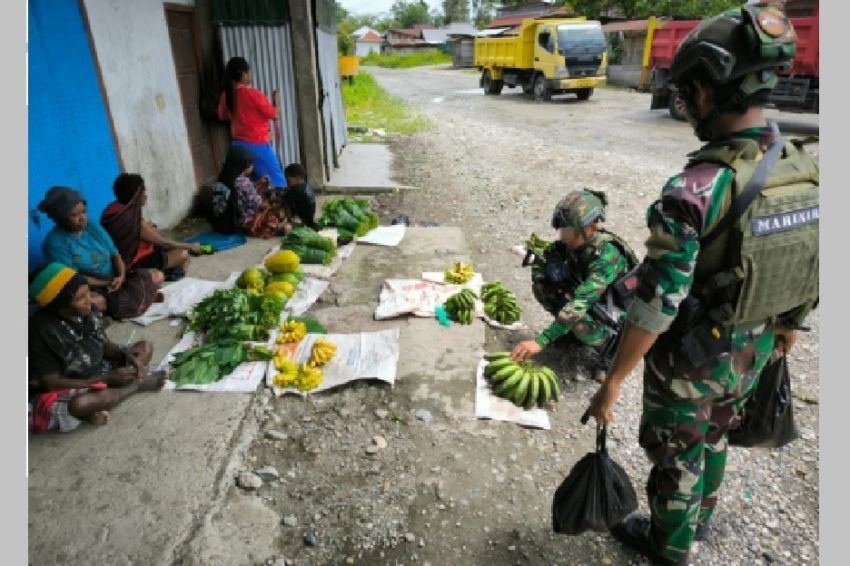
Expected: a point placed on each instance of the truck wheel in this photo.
(489, 85)
(541, 89)
(677, 106)
(584, 93)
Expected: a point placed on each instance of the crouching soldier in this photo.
(581, 278)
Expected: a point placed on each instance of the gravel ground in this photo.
(459, 493)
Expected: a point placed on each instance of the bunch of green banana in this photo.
(537, 244)
(523, 383)
(461, 306)
(500, 303)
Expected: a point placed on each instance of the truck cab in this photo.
(546, 57)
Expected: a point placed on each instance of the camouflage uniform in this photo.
(688, 411)
(598, 269)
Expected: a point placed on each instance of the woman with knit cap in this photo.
(87, 248)
(75, 372)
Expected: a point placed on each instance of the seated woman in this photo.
(140, 244)
(87, 248)
(75, 372)
(254, 214)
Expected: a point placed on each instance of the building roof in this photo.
(516, 20)
(369, 37)
(631, 25)
(415, 33)
(436, 36)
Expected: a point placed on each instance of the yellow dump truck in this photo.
(547, 56)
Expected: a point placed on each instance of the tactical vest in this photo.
(767, 262)
(592, 250)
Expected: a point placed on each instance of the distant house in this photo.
(408, 40)
(440, 37)
(463, 50)
(508, 20)
(368, 42)
(626, 41)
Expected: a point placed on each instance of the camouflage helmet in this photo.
(579, 209)
(751, 42)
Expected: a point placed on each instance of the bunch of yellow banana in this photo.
(309, 377)
(322, 352)
(288, 369)
(523, 383)
(291, 331)
(460, 273)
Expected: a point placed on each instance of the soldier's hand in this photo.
(525, 350)
(785, 339)
(602, 403)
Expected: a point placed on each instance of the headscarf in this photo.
(59, 201)
(238, 159)
(55, 286)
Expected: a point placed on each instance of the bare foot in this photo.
(99, 418)
(154, 381)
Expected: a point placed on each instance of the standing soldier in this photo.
(574, 277)
(731, 266)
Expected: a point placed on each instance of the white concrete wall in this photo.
(363, 49)
(134, 51)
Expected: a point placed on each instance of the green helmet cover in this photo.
(750, 42)
(580, 209)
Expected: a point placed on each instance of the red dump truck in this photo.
(796, 91)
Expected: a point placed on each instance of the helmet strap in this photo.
(704, 128)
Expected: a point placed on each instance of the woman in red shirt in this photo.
(249, 112)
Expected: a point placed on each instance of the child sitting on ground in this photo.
(297, 199)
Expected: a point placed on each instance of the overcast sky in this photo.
(361, 7)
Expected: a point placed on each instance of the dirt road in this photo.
(453, 490)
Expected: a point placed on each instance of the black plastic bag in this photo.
(596, 495)
(767, 419)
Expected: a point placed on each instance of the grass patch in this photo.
(405, 61)
(369, 105)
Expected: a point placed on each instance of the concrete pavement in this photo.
(155, 485)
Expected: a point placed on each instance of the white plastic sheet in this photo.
(243, 379)
(365, 355)
(183, 295)
(489, 406)
(384, 236)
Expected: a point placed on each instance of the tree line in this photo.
(409, 13)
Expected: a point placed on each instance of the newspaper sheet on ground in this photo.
(489, 406)
(420, 297)
(365, 355)
(306, 294)
(181, 296)
(411, 296)
(384, 236)
(243, 379)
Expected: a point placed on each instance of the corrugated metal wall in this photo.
(333, 111)
(268, 50)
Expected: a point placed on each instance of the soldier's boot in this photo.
(633, 531)
(703, 532)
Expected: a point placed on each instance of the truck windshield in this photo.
(587, 38)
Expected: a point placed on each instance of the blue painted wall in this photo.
(70, 141)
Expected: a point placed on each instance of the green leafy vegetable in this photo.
(237, 314)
